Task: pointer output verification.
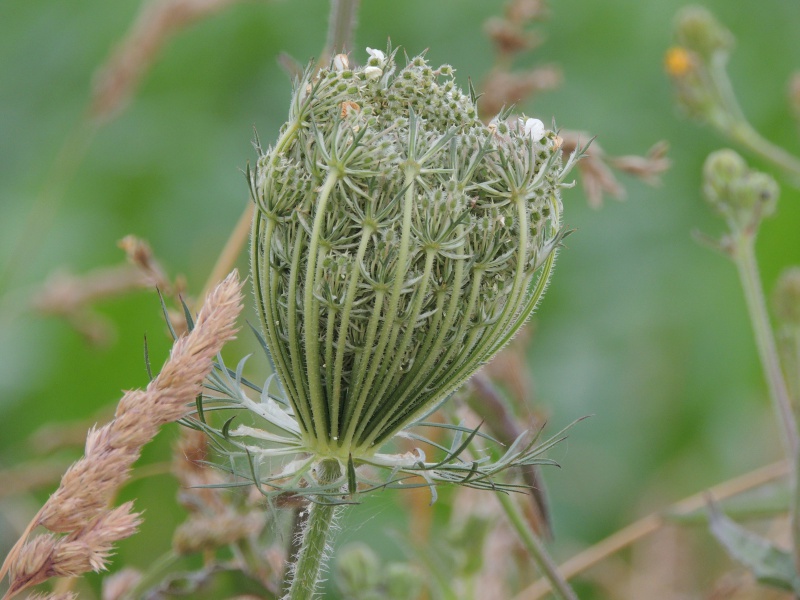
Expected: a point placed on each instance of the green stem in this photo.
(319, 410)
(411, 173)
(744, 257)
(344, 326)
(745, 260)
(733, 123)
(745, 134)
(315, 538)
(536, 549)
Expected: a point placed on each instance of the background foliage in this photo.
(641, 327)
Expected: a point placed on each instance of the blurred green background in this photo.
(641, 327)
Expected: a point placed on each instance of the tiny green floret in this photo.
(398, 245)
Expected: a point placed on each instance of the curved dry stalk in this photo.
(116, 80)
(652, 523)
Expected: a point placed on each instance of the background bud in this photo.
(699, 31)
(757, 191)
(723, 170)
(742, 195)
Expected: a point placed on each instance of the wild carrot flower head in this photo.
(396, 244)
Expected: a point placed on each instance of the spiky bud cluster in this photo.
(740, 194)
(697, 66)
(699, 30)
(396, 244)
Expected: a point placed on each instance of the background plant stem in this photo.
(651, 523)
(743, 133)
(744, 257)
(536, 549)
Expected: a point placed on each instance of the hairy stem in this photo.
(536, 549)
(315, 537)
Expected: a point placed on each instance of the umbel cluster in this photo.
(396, 244)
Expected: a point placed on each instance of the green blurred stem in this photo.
(315, 537)
(536, 549)
(745, 134)
(731, 122)
(745, 259)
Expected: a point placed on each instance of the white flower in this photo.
(373, 72)
(535, 129)
(377, 54)
(341, 62)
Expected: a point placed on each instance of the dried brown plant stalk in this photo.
(141, 256)
(505, 86)
(79, 507)
(72, 296)
(57, 596)
(214, 521)
(116, 81)
(595, 167)
(653, 522)
(487, 402)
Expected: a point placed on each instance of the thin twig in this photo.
(745, 259)
(157, 22)
(536, 549)
(488, 404)
(653, 522)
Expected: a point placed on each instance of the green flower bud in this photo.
(698, 30)
(757, 191)
(786, 297)
(722, 171)
(427, 213)
(742, 195)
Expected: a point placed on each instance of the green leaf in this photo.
(166, 314)
(147, 360)
(187, 314)
(352, 484)
(770, 565)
